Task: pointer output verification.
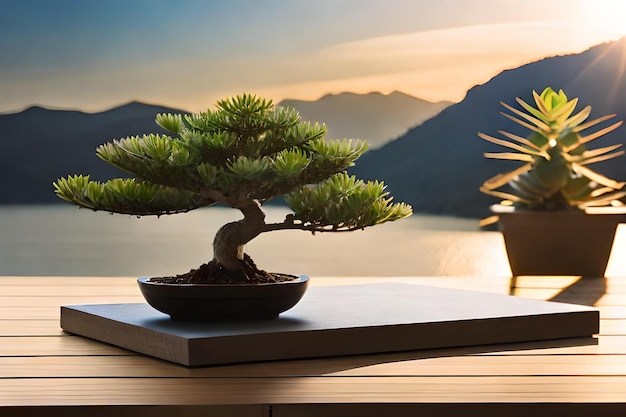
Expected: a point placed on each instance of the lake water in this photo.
(65, 240)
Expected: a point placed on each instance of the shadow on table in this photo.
(325, 366)
(583, 291)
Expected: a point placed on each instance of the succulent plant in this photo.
(556, 173)
(241, 155)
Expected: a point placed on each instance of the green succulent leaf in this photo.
(577, 118)
(284, 117)
(531, 150)
(182, 156)
(156, 147)
(555, 174)
(200, 121)
(290, 163)
(502, 179)
(345, 149)
(171, 122)
(538, 122)
(247, 168)
(209, 174)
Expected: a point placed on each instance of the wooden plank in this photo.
(65, 281)
(65, 345)
(613, 327)
(57, 301)
(329, 410)
(395, 365)
(64, 375)
(124, 290)
(332, 390)
(138, 410)
(612, 312)
(589, 298)
(29, 312)
(581, 298)
(467, 409)
(30, 328)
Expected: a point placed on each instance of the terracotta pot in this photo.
(203, 302)
(558, 243)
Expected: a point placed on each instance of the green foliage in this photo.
(344, 202)
(246, 148)
(290, 163)
(555, 174)
(127, 196)
(209, 174)
(243, 153)
(247, 168)
(170, 122)
(337, 150)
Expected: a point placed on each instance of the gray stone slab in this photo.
(335, 321)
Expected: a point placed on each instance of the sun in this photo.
(603, 19)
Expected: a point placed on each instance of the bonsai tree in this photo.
(555, 174)
(241, 155)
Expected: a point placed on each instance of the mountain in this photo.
(438, 166)
(375, 117)
(40, 145)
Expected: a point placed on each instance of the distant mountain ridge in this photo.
(40, 145)
(375, 117)
(439, 166)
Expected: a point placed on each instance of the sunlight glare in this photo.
(604, 18)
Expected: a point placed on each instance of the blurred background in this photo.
(416, 78)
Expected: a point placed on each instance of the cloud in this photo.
(436, 65)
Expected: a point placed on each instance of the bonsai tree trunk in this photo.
(229, 257)
(230, 263)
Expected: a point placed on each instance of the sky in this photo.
(92, 55)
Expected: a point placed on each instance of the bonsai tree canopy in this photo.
(241, 155)
(556, 173)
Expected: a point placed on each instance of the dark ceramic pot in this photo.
(558, 243)
(206, 302)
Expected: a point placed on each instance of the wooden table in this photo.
(44, 371)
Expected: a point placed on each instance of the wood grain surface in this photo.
(45, 371)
